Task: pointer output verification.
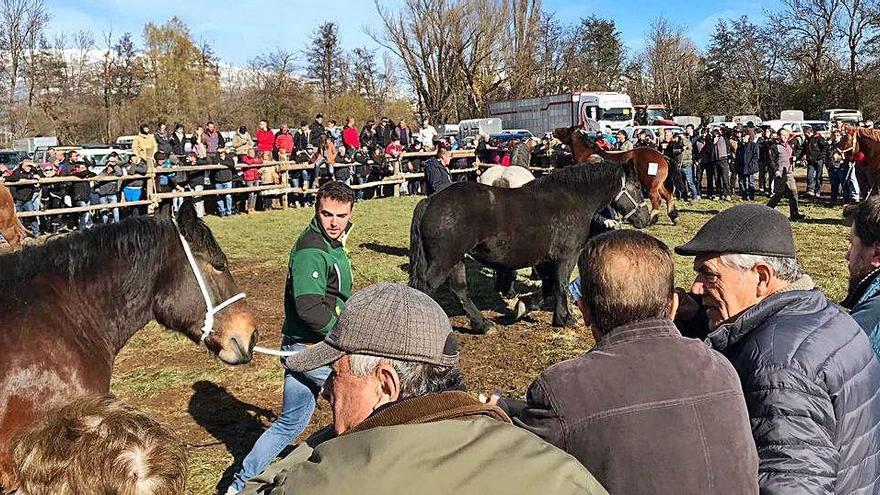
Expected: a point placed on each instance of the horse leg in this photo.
(654, 196)
(671, 210)
(458, 286)
(532, 302)
(562, 316)
(504, 279)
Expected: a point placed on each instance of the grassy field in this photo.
(219, 411)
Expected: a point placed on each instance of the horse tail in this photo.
(669, 181)
(521, 156)
(418, 261)
(501, 182)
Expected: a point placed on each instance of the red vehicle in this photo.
(653, 115)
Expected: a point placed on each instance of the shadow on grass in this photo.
(821, 221)
(383, 249)
(236, 424)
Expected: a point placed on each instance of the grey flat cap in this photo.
(386, 320)
(743, 229)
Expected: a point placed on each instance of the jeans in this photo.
(814, 177)
(851, 187)
(110, 199)
(224, 203)
(722, 176)
(85, 218)
(198, 201)
(785, 186)
(31, 205)
(687, 174)
(360, 192)
(300, 391)
(252, 197)
(747, 186)
(710, 172)
(837, 176)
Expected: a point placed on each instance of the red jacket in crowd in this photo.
(251, 174)
(265, 140)
(394, 149)
(284, 142)
(350, 138)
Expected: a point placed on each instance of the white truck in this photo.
(541, 115)
(32, 143)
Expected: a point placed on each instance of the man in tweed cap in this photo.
(402, 422)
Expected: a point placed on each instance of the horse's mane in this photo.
(576, 176)
(142, 242)
(873, 134)
(521, 156)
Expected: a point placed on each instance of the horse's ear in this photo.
(186, 217)
(164, 211)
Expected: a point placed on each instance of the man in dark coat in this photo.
(437, 176)
(641, 410)
(747, 156)
(815, 150)
(316, 128)
(808, 372)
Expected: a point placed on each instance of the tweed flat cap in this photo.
(743, 229)
(386, 320)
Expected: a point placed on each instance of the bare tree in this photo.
(856, 25)
(23, 21)
(481, 28)
(807, 28)
(324, 57)
(277, 93)
(669, 65)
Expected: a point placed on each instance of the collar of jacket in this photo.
(428, 409)
(334, 243)
(654, 327)
(728, 334)
(867, 287)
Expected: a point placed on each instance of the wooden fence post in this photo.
(285, 182)
(151, 186)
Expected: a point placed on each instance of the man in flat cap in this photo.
(810, 378)
(402, 422)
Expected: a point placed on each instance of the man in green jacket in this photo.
(402, 422)
(319, 281)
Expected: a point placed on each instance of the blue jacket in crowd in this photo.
(865, 308)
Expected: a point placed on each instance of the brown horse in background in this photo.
(858, 140)
(70, 305)
(658, 186)
(10, 226)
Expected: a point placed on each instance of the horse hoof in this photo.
(568, 322)
(480, 327)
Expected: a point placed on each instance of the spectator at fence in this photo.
(316, 129)
(324, 156)
(302, 137)
(134, 189)
(144, 144)
(164, 181)
(427, 134)
(52, 197)
(334, 133)
(284, 143)
(251, 176)
(384, 132)
(198, 144)
(361, 168)
(81, 193)
(319, 282)
(401, 418)
(863, 263)
(99, 445)
(815, 151)
(214, 141)
(646, 410)
(196, 181)
(163, 139)
(784, 184)
(403, 133)
(178, 142)
(108, 191)
(223, 180)
(368, 136)
(747, 157)
(265, 139)
(242, 142)
(350, 139)
(437, 175)
(269, 175)
(26, 196)
(808, 372)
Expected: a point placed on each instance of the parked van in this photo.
(472, 127)
(842, 114)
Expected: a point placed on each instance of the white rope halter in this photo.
(624, 192)
(210, 309)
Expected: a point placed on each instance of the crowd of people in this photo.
(343, 153)
(748, 381)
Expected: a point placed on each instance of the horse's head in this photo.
(629, 202)
(566, 134)
(224, 322)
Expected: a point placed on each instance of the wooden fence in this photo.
(284, 189)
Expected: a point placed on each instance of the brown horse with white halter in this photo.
(70, 305)
(863, 146)
(10, 226)
(651, 165)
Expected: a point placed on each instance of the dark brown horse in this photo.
(10, 226)
(863, 145)
(544, 223)
(651, 165)
(69, 306)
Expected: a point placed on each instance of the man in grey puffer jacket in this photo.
(810, 378)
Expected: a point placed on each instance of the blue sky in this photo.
(239, 30)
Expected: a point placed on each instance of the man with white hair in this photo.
(808, 372)
(401, 420)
